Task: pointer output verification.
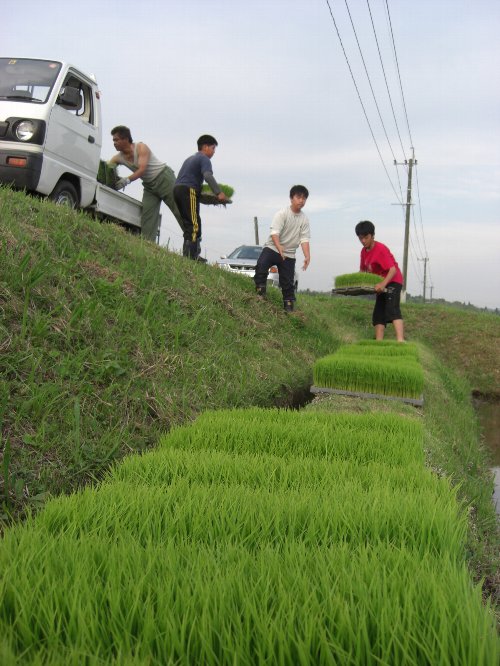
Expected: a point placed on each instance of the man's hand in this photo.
(222, 197)
(121, 183)
(306, 263)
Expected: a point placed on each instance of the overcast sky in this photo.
(270, 81)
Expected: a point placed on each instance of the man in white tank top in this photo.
(157, 178)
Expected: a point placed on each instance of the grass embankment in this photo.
(107, 342)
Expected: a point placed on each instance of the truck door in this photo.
(73, 140)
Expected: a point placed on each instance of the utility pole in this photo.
(425, 260)
(409, 204)
(256, 227)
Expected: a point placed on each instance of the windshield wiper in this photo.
(23, 98)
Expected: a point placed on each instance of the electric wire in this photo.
(385, 79)
(370, 83)
(422, 223)
(414, 250)
(399, 73)
(360, 99)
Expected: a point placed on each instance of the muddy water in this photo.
(489, 419)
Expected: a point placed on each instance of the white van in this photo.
(51, 137)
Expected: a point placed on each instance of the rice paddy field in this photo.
(252, 536)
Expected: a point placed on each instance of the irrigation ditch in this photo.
(487, 408)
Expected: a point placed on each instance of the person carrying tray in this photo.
(187, 191)
(377, 258)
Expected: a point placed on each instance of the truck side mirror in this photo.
(70, 98)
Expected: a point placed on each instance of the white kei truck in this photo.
(51, 138)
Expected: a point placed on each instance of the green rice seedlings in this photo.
(107, 174)
(372, 348)
(166, 466)
(357, 280)
(213, 515)
(387, 438)
(112, 601)
(391, 376)
(209, 198)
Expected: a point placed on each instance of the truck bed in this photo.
(117, 205)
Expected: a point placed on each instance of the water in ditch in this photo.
(488, 413)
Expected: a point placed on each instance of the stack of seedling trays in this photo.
(355, 284)
(372, 369)
(107, 174)
(252, 537)
(208, 198)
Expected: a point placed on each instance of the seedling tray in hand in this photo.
(354, 291)
(210, 199)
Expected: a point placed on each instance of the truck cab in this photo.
(50, 129)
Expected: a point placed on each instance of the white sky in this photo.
(269, 80)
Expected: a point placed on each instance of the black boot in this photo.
(198, 253)
(288, 305)
(189, 249)
(261, 291)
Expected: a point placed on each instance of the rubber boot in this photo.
(288, 305)
(189, 249)
(198, 253)
(261, 291)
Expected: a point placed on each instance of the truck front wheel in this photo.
(65, 194)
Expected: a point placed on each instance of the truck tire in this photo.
(65, 194)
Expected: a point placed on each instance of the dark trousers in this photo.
(286, 270)
(188, 203)
(387, 305)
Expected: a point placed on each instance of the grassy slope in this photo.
(107, 341)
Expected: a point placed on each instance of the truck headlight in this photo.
(25, 130)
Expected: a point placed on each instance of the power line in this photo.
(399, 73)
(369, 80)
(360, 100)
(385, 79)
(422, 223)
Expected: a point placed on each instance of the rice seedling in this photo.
(393, 376)
(357, 280)
(372, 348)
(387, 438)
(244, 538)
(107, 174)
(209, 198)
(166, 466)
(188, 512)
(116, 602)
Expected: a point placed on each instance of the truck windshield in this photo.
(24, 80)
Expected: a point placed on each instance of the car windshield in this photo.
(24, 80)
(246, 252)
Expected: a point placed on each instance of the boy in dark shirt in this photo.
(377, 258)
(187, 190)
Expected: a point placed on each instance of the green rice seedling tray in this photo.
(208, 198)
(107, 174)
(417, 402)
(354, 291)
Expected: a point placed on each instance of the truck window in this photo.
(26, 80)
(86, 109)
